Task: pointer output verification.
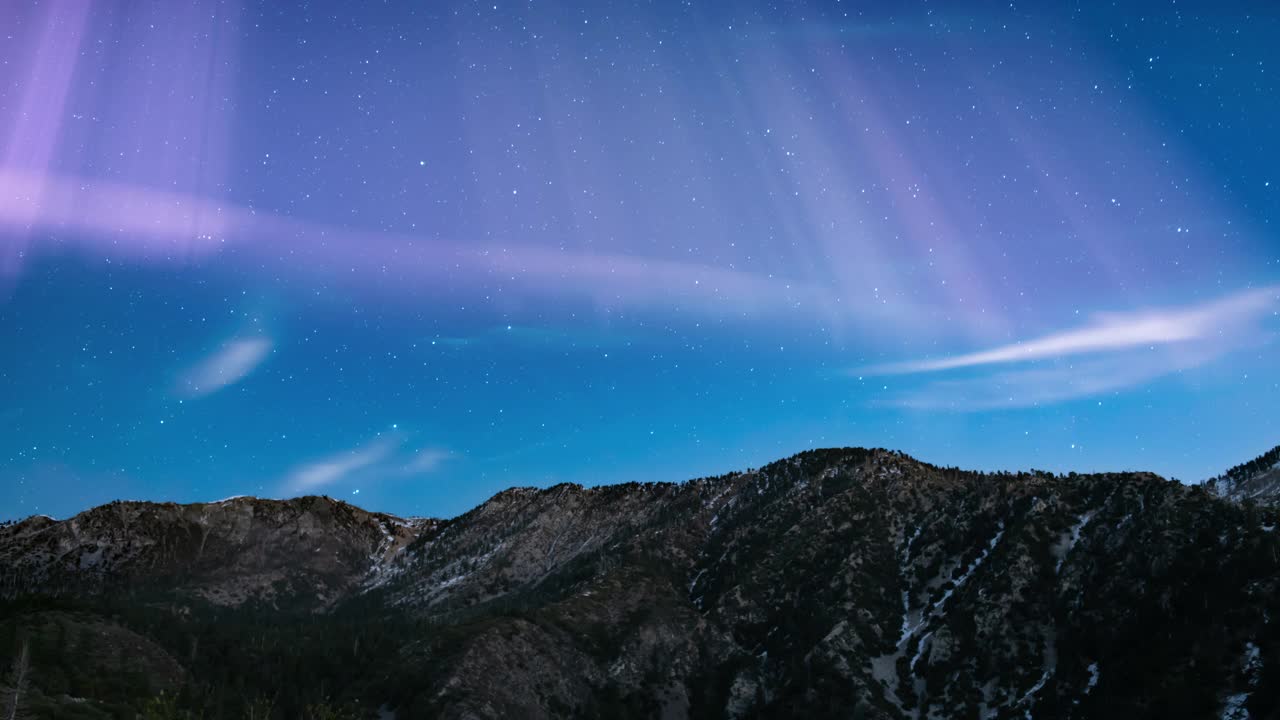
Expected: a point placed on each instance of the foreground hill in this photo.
(837, 583)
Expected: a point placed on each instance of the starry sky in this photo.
(411, 254)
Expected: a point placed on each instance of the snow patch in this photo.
(937, 606)
(452, 581)
(1252, 663)
(1064, 547)
(836, 631)
(1030, 694)
(1234, 707)
(924, 644)
(908, 626)
(1094, 674)
(696, 578)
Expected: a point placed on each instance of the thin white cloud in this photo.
(427, 460)
(334, 468)
(227, 366)
(1059, 382)
(377, 460)
(1115, 352)
(1114, 332)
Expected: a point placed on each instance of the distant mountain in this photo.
(309, 553)
(837, 583)
(1257, 480)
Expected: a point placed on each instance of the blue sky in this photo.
(410, 256)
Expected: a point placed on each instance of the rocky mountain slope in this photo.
(837, 583)
(1257, 480)
(312, 550)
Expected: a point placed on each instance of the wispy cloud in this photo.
(1055, 383)
(380, 459)
(1110, 332)
(335, 468)
(227, 366)
(1113, 352)
(426, 460)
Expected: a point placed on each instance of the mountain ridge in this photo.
(834, 583)
(1246, 469)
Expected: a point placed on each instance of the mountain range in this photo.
(843, 583)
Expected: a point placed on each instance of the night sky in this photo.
(411, 254)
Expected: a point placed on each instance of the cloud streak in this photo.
(335, 468)
(1112, 332)
(379, 459)
(1038, 386)
(1114, 352)
(426, 460)
(227, 366)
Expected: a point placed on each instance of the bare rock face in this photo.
(837, 583)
